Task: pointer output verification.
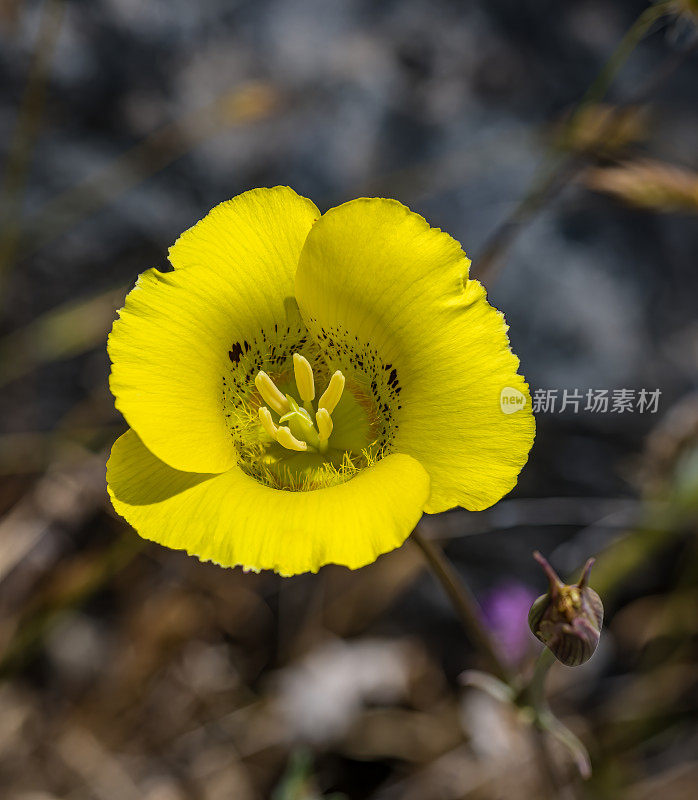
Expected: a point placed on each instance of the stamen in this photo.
(270, 394)
(286, 439)
(300, 428)
(304, 378)
(267, 421)
(324, 426)
(333, 393)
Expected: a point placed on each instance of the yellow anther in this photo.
(267, 421)
(299, 428)
(324, 424)
(271, 395)
(304, 378)
(286, 439)
(333, 393)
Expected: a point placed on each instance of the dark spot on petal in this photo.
(236, 352)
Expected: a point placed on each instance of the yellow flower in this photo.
(303, 386)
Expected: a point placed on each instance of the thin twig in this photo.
(632, 38)
(464, 604)
(544, 189)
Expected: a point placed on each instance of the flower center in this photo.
(285, 436)
(300, 428)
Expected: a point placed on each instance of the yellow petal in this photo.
(273, 222)
(232, 519)
(389, 296)
(182, 334)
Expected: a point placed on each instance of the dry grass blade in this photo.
(648, 184)
(601, 129)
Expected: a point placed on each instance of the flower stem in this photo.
(464, 604)
(533, 696)
(536, 687)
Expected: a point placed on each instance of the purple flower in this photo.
(505, 609)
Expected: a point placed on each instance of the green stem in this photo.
(632, 38)
(464, 604)
(536, 687)
(557, 787)
(533, 696)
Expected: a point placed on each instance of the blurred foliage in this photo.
(60, 333)
(131, 672)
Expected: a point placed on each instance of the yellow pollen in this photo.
(333, 393)
(267, 421)
(304, 378)
(286, 439)
(271, 395)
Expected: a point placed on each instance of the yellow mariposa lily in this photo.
(302, 387)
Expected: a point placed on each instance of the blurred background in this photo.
(557, 142)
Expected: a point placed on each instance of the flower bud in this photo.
(567, 619)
